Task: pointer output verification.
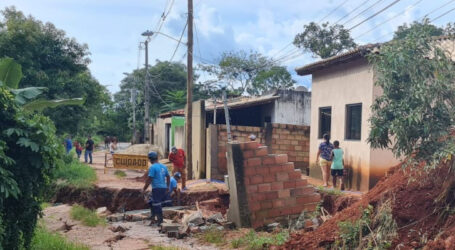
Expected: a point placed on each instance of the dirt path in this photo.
(138, 236)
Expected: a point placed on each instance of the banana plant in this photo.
(28, 98)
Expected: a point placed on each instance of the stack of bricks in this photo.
(274, 189)
(238, 133)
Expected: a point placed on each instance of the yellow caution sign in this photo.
(123, 161)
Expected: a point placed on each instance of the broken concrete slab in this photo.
(216, 218)
(196, 218)
(101, 210)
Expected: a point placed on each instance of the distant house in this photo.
(342, 92)
(280, 111)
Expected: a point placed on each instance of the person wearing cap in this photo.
(158, 178)
(173, 190)
(177, 157)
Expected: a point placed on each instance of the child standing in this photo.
(78, 147)
(337, 165)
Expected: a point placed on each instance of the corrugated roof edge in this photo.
(360, 51)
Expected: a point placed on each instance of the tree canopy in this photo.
(415, 114)
(249, 73)
(324, 40)
(167, 91)
(52, 60)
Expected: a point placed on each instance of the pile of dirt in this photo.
(139, 149)
(422, 206)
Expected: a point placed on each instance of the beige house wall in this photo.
(337, 87)
(159, 134)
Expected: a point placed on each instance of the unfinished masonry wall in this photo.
(292, 140)
(265, 187)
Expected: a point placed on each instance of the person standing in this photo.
(177, 157)
(324, 156)
(336, 170)
(89, 144)
(173, 190)
(68, 144)
(158, 178)
(78, 147)
(107, 140)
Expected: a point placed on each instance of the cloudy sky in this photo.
(112, 28)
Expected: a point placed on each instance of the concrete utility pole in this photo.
(146, 89)
(133, 103)
(189, 94)
(226, 116)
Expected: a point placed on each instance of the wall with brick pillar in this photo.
(292, 140)
(265, 187)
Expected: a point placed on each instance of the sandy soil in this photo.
(139, 235)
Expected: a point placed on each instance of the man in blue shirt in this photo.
(68, 144)
(173, 190)
(159, 179)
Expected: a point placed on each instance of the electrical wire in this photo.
(375, 14)
(180, 40)
(352, 11)
(388, 20)
(445, 13)
(365, 10)
(331, 12)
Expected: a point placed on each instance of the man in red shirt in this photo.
(177, 157)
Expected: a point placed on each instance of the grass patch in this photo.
(45, 240)
(255, 241)
(213, 236)
(86, 216)
(119, 173)
(329, 191)
(45, 205)
(76, 174)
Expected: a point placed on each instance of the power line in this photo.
(429, 13)
(331, 12)
(375, 14)
(352, 11)
(197, 39)
(442, 6)
(445, 13)
(388, 20)
(180, 39)
(365, 10)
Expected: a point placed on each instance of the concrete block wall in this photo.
(267, 187)
(292, 140)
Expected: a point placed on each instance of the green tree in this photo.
(52, 60)
(415, 114)
(324, 40)
(430, 29)
(29, 150)
(249, 73)
(167, 91)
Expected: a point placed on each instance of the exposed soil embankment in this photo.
(422, 205)
(125, 199)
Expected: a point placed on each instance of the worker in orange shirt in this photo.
(177, 157)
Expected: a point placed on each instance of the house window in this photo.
(353, 121)
(325, 120)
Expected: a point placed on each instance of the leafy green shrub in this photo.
(29, 151)
(44, 240)
(86, 216)
(350, 232)
(76, 174)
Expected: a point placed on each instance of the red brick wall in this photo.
(274, 189)
(292, 140)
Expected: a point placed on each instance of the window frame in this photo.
(320, 133)
(347, 130)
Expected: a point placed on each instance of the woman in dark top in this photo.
(323, 158)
